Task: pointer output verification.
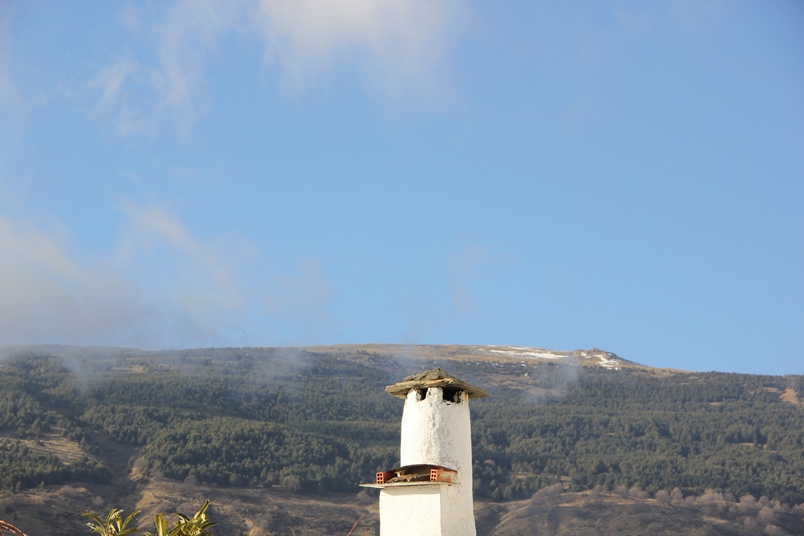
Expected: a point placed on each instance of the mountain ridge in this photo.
(456, 352)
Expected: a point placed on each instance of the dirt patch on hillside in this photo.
(260, 511)
(55, 511)
(66, 450)
(791, 396)
(116, 456)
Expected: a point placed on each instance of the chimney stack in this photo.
(430, 494)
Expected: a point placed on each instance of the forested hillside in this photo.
(318, 422)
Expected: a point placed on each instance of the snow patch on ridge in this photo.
(540, 355)
(595, 356)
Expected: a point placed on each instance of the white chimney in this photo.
(430, 494)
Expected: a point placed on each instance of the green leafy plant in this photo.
(113, 525)
(185, 526)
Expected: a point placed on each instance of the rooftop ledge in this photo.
(403, 484)
(434, 378)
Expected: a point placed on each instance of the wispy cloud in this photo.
(188, 33)
(47, 296)
(168, 75)
(162, 286)
(198, 273)
(393, 47)
(396, 44)
(121, 85)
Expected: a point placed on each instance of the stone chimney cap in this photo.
(434, 378)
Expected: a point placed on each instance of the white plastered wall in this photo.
(438, 433)
(411, 510)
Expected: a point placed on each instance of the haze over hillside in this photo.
(403, 352)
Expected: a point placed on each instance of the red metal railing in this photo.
(11, 530)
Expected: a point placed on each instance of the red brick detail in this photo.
(442, 475)
(384, 476)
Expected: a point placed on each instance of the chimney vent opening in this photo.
(451, 394)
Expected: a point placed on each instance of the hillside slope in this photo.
(279, 438)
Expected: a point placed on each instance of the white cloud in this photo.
(110, 81)
(119, 84)
(398, 44)
(201, 274)
(188, 33)
(162, 287)
(46, 296)
(139, 90)
(395, 47)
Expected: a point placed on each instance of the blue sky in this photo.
(621, 175)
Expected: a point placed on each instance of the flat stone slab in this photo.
(434, 378)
